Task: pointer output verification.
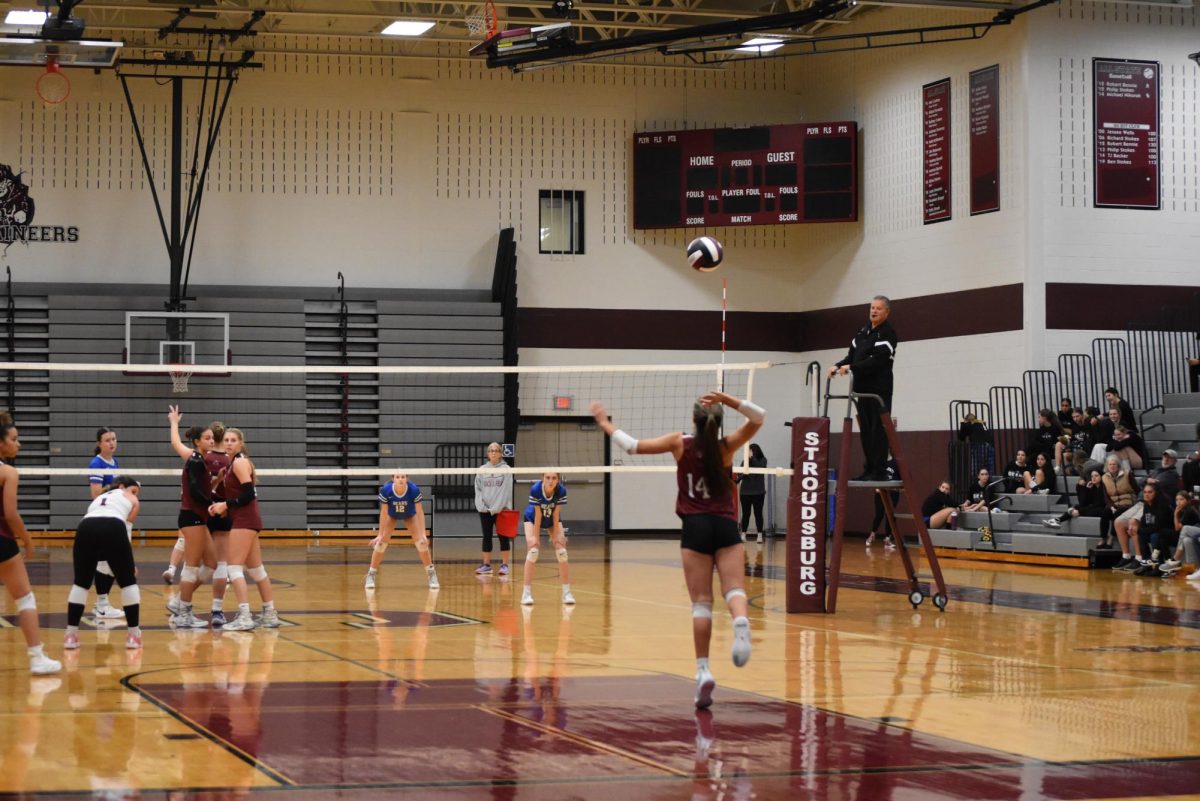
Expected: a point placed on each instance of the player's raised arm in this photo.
(754, 414)
(666, 443)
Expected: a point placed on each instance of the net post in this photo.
(808, 495)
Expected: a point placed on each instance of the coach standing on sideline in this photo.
(870, 359)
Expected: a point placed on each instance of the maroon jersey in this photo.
(217, 465)
(243, 516)
(694, 497)
(4, 529)
(198, 506)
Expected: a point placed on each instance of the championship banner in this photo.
(808, 497)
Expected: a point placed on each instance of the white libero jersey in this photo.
(113, 503)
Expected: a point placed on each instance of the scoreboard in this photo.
(765, 175)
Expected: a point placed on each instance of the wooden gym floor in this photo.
(1037, 682)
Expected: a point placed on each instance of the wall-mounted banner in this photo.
(985, 139)
(1125, 98)
(806, 529)
(935, 107)
(16, 215)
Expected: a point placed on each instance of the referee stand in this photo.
(884, 489)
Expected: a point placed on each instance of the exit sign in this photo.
(562, 403)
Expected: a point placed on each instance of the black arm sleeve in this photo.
(244, 497)
(197, 479)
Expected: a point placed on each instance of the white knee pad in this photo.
(561, 553)
(222, 571)
(702, 609)
(189, 573)
(531, 556)
(204, 573)
(27, 603)
(735, 592)
(380, 546)
(179, 545)
(422, 545)
(131, 595)
(256, 574)
(236, 572)
(102, 567)
(77, 595)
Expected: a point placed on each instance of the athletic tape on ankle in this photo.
(256, 574)
(27, 603)
(189, 573)
(561, 553)
(381, 546)
(702, 609)
(131, 595)
(236, 572)
(735, 592)
(531, 556)
(222, 571)
(77, 595)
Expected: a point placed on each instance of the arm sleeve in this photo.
(197, 479)
(244, 497)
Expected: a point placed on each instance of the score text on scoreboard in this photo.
(765, 175)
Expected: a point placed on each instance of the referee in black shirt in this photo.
(870, 358)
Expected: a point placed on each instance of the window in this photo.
(560, 221)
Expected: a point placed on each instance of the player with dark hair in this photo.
(400, 499)
(195, 498)
(104, 458)
(12, 564)
(103, 535)
(704, 503)
(546, 499)
(216, 461)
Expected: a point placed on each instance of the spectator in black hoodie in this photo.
(1045, 436)
(1115, 401)
(1090, 493)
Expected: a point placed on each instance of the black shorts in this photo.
(222, 524)
(188, 519)
(708, 534)
(8, 548)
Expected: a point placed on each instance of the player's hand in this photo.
(709, 398)
(218, 509)
(174, 415)
(377, 541)
(832, 371)
(599, 412)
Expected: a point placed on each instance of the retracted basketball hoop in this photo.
(481, 20)
(52, 86)
(180, 373)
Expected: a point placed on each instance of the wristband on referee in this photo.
(752, 411)
(624, 441)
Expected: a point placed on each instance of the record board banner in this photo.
(808, 495)
(935, 108)
(985, 139)
(1126, 163)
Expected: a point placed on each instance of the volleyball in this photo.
(704, 253)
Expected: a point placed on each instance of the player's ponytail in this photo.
(708, 435)
(6, 423)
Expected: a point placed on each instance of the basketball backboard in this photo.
(166, 338)
(32, 52)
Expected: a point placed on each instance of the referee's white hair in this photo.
(887, 302)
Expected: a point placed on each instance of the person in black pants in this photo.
(753, 490)
(870, 357)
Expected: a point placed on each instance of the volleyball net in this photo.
(324, 437)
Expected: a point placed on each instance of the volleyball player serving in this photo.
(400, 499)
(546, 499)
(704, 502)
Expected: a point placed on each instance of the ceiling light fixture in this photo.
(20, 17)
(407, 27)
(760, 45)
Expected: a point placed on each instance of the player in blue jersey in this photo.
(546, 499)
(400, 499)
(104, 459)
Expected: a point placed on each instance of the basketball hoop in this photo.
(180, 373)
(52, 86)
(481, 20)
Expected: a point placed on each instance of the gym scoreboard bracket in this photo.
(764, 175)
(1125, 107)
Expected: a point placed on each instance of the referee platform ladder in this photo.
(884, 489)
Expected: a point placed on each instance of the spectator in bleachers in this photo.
(1066, 411)
(973, 430)
(1128, 447)
(1152, 532)
(1074, 449)
(1190, 474)
(939, 509)
(1124, 410)
(1100, 430)
(1120, 491)
(983, 492)
(1045, 436)
(1167, 476)
(1014, 474)
(1090, 494)
(1194, 372)
(1187, 526)
(1040, 479)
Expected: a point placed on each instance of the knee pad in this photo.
(189, 573)
(422, 545)
(77, 595)
(236, 572)
(222, 571)
(102, 567)
(131, 595)
(531, 556)
(256, 574)
(380, 546)
(179, 544)
(702, 609)
(27, 603)
(204, 573)
(561, 554)
(735, 592)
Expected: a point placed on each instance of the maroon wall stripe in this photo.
(950, 314)
(1089, 307)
